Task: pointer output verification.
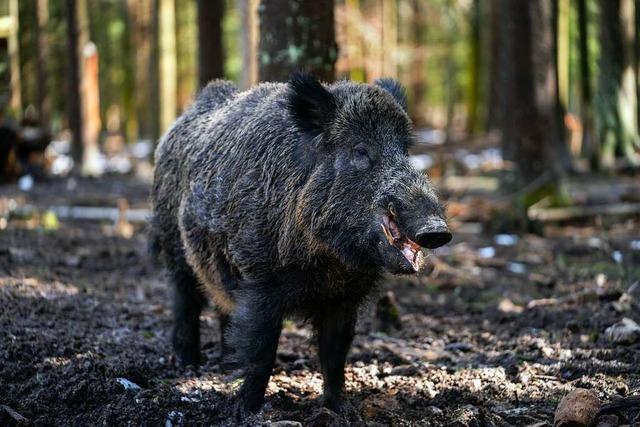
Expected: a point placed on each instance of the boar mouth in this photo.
(407, 247)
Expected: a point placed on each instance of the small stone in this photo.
(404, 370)
(285, 423)
(577, 409)
(624, 332)
(467, 416)
(128, 385)
(507, 306)
(434, 411)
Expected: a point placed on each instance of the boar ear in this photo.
(395, 89)
(310, 104)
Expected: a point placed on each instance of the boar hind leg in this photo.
(335, 329)
(254, 331)
(188, 303)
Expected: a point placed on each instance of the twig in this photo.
(14, 414)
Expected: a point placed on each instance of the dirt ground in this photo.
(496, 334)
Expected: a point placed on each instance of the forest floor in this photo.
(496, 334)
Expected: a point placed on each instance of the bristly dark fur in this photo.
(395, 89)
(270, 202)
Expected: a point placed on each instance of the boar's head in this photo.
(362, 199)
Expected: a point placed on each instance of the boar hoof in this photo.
(338, 405)
(189, 358)
(243, 412)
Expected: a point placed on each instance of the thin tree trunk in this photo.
(616, 118)
(141, 35)
(389, 37)
(15, 102)
(168, 67)
(451, 69)
(297, 35)
(91, 124)
(42, 47)
(355, 56)
(210, 49)
(528, 98)
(73, 73)
(154, 72)
(585, 82)
(562, 39)
(474, 69)
(561, 42)
(637, 59)
(493, 97)
(418, 62)
(249, 16)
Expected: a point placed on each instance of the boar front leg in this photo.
(335, 329)
(254, 331)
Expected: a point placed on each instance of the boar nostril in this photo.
(432, 238)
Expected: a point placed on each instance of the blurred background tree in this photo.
(559, 89)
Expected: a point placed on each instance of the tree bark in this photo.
(15, 102)
(42, 47)
(586, 107)
(73, 73)
(418, 62)
(528, 90)
(168, 69)
(474, 69)
(154, 72)
(561, 55)
(91, 124)
(495, 78)
(141, 36)
(296, 35)
(616, 118)
(210, 49)
(249, 16)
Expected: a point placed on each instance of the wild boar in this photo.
(288, 199)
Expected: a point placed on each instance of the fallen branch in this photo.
(14, 414)
(544, 214)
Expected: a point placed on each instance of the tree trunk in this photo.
(494, 78)
(528, 90)
(168, 67)
(91, 124)
(418, 62)
(141, 36)
(585, 82)
(389, 37)
(248, 12)
(73, 73)
(616, 118)
(154, 72)
(42, 47)
(637, 59)
(474, 69)
(15, 102)
(562, 41)
(210, 49)
(561, 56)
(297, 35)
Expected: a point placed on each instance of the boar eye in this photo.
(361, 159)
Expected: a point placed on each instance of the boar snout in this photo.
(434, 234)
